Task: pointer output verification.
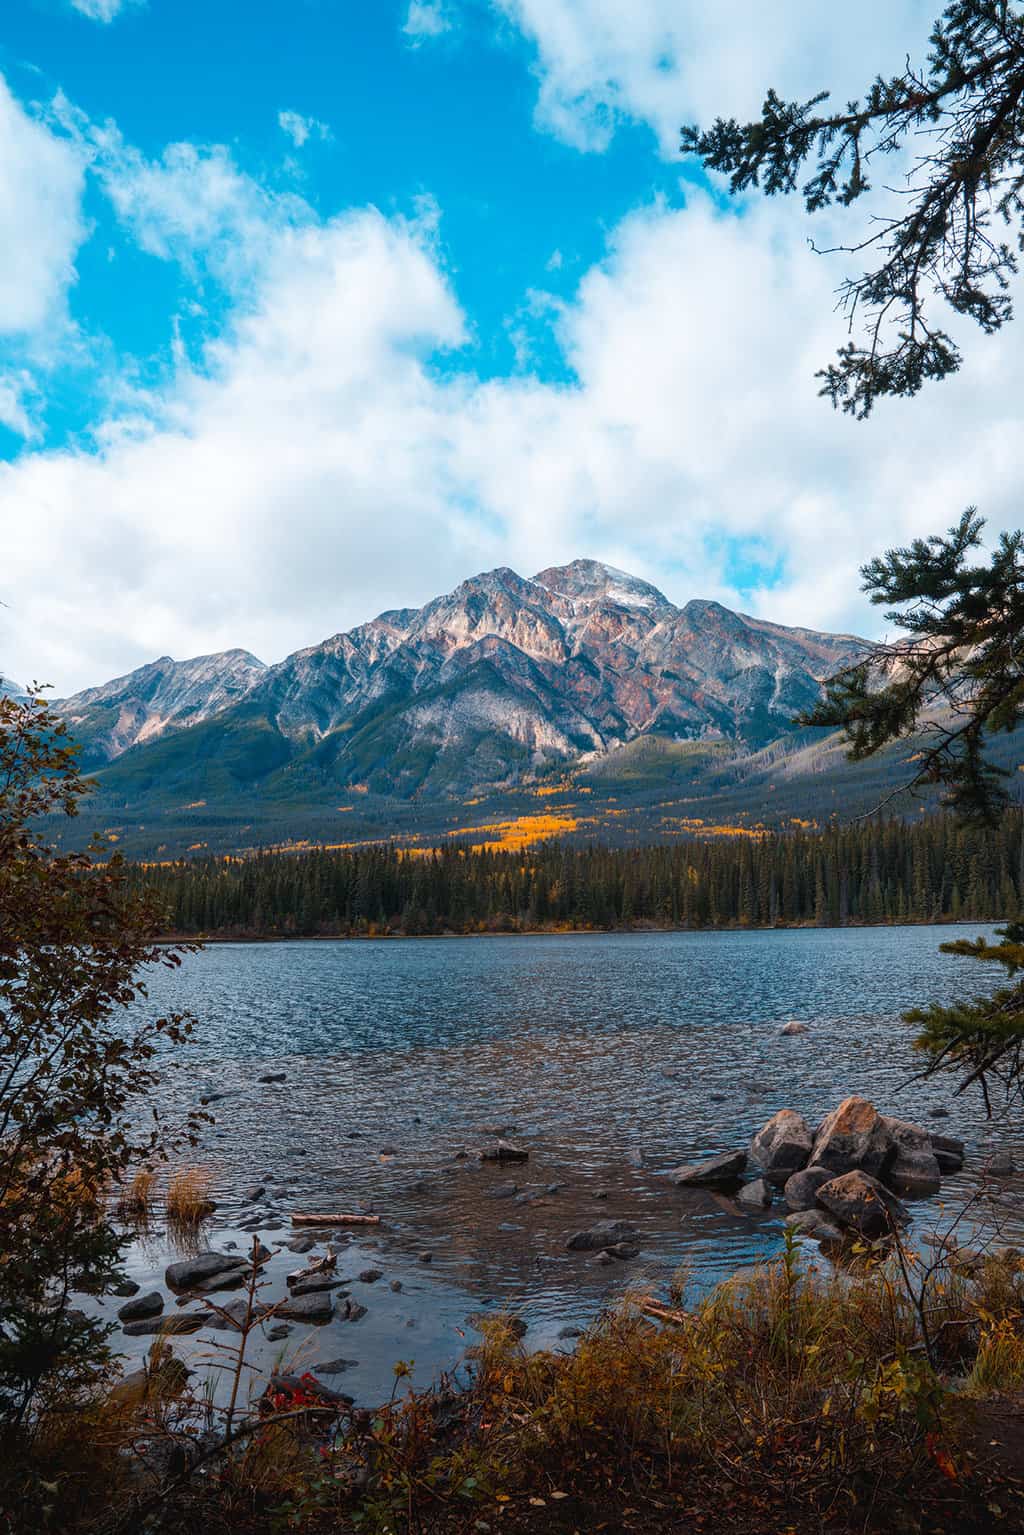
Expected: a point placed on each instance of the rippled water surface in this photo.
(593, 1047)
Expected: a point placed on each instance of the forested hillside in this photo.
(934, 869)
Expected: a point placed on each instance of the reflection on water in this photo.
(592, 1047)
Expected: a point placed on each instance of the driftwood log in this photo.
(653, 1308)
(335, 1220)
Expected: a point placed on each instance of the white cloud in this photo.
(16, 413)
(321, 465)
(661, 62)
(104, 10)
(426, 19)
(301, 129)
(41, 183)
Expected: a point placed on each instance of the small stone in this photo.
(396, 1285)
(624, 1251)
(1001, 1164)
(253, 1192)
(570, 1332)
(278, 1332)
(600, 1193)
(144, 1306)
(125, 1287)
(789, 1029)
(351, 1310)
(938, 1113)
(426, 1257)
(274, 1076)
(370, 1276)
(334, 1366)
(503, 1191)
(389, 1150)
(604, 1259)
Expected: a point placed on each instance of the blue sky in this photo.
(309, 309)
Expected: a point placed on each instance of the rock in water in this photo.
(724, 1169)
(948, 1152)
(853, 1136)
(783, 1146)
(317, 1307)
(790, 1029)
(483, 1323)
(816, 1225)
(862, 1204)
(504, 1151)
(915, 1168)
(186, 1321)
(142, 1307)
(602, 1236)
(190, 1272)
(756, 1195)
(801, 1190)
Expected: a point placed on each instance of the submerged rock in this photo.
(334, 1366)
(790, 1029)
(724, 1169)
(602, 1236)
(783, 1146)
(274, 1076)
(1001, 1164)
(862, 1204)
(504, 1151)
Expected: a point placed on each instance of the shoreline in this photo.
(208, 940)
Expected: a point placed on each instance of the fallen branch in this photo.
(662, 1313)
(335, 1220)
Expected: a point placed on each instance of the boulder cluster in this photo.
(842, 1178)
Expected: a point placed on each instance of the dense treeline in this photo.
(934, 869)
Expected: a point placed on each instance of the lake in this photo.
(585, 1048)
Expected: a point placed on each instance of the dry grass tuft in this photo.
(135, 1202)
(188, 1198)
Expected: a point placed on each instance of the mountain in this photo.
(161, 696)
(487, 690)
(9, 689)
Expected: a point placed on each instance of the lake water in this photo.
(592, 1047)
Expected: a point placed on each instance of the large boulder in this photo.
(862, 1204)
(801, 1190)
(783, 1146)
(915, 1168)
(853, 1136)
(190, 1273)
(724, 1169)
(600, 1237)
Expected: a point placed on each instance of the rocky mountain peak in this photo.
(590, 580)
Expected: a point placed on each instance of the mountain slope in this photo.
(166, 694)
